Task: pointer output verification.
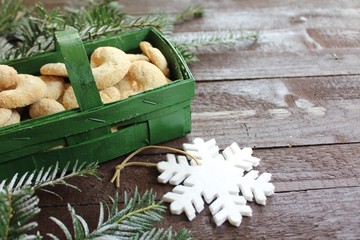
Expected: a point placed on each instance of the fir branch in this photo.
(17, 209)
(34, 30)
(5, 48)
(196, 41)
(10, 12)
(38, 180)
(19, 205)
(186, 52)
(49, 21)
(159, 22)
(163, 234)
(94, 13)
(189, 13)
(135, 221)
(190, 44)
(138, 215)
(34, 33)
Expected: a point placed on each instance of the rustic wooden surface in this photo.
(293, 96)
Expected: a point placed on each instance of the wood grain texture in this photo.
(294, 215)
(316, 187)
(292, 169)
(294, 40)
(293, 95)
(252, 65)
(143, 6)
(278, 112)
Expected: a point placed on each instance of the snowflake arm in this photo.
(202, 150)
(241, 158)
(172, 171)
(185, 199)
(259, 187)
(231, 209)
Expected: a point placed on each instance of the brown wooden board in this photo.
(325, 214)
(251, 65)
(293, 169)
(315, 187)
(278, 112)
(293, 95)
(142, 6)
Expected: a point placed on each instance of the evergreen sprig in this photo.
(39, 180)
(19, 204)
(189, 13)
(210, 40)
(134, 221)
(19, 207)
(31, 31)
(17, 211)
(191, 44)
(7, 17)
(34, 31)
(130, 23)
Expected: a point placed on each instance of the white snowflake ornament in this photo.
(218, 179)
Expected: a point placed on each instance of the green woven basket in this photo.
(85, 134)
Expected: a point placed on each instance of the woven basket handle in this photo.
(78, 68)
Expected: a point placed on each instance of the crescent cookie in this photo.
(54, 69)
(109, 66)
(54, 86)
(5, 115)
(29, 89)
(8, 117)
(146, 75)
(110, 94)
(45, 106)
(69, 99)
(14, 118)
(155, 56)
(8, 77)
(127, 87)
(137, 57)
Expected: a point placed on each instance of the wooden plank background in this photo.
(293, 96)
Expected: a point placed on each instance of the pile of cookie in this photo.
(117, 76)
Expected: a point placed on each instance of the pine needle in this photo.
(39, 180)
(208, 40)
(189, 13)
(17, 211)
(32, 30)
(191, 44)
(135, 221)
(10, 12)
